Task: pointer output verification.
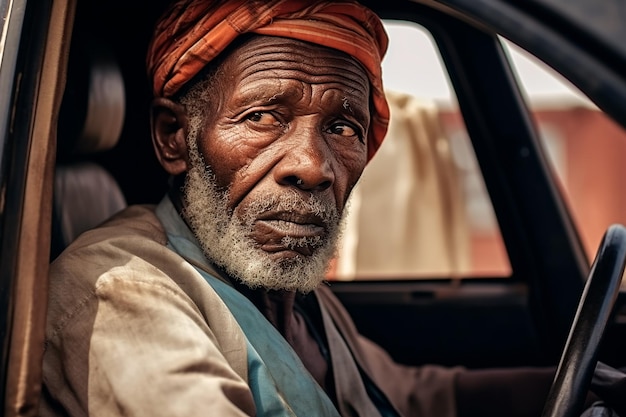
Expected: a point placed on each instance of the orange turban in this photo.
(193, 32)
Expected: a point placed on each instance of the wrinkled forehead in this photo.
(286, 58)
(274, 69)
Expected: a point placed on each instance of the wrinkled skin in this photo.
(291, 117)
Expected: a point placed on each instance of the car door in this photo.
(32, 52)
(520, 316)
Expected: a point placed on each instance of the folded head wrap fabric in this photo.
(193, 32)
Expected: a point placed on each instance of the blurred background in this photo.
(421, 208)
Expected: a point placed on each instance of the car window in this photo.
(421, 209)
(584, 146)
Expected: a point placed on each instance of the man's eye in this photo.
(345, 130)
(263, 118)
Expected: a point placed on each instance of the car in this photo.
(74, 106)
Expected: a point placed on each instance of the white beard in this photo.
(225, 239)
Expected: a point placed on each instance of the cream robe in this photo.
(134, 330)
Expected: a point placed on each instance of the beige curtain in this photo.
(407, 215)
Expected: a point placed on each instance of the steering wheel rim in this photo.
(573, 376)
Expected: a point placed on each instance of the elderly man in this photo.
(265, 114)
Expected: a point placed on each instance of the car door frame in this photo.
(33, 67)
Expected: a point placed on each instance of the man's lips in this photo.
(271, 228)
(291, 218)
(293, 229)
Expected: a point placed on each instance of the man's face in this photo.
(276, 160)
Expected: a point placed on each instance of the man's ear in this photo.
(169, 126)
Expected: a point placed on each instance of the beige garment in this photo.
(134, 330)
(407, 215)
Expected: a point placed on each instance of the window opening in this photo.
(421, 209)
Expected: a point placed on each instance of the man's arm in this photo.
(513, 392)
(141, 347)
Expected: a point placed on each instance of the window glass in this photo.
(421, 209)
(584, 146)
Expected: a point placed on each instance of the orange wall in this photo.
(593, 174)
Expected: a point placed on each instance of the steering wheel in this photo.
(578, 360)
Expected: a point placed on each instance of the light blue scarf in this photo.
(280, 384)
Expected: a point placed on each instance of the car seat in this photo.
(90, 122)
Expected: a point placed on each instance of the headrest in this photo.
(93, 107)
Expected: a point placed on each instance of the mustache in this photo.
(293, 202)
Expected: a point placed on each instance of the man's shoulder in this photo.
(134, 234)
(137, 221)
(125, 253)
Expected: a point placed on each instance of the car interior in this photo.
(90, 123)
(518, 316)
(517, 319)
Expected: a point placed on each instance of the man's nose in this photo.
(306, 163)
